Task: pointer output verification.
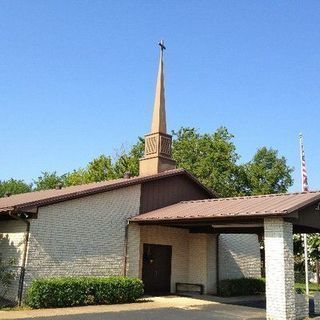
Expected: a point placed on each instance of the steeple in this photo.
(157, 153)
(159, 108)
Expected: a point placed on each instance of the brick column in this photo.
(133, 254)
(279, 269)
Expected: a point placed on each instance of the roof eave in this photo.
(193, 219)
(124, 183)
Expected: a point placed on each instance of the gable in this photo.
(164, 192)
(306, 218)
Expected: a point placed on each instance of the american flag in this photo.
(304, 177)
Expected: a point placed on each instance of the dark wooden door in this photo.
(156, 269)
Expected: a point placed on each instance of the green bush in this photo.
(300, 290)
(80, 291)
(241, 287)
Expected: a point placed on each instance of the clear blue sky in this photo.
(77, 77)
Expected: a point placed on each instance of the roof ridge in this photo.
(49, 196)
(63, 188)
(251, 197)
(96, 183)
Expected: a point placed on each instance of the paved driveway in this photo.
(155, 308)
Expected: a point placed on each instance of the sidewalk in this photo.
(146, 303)
(157, 308)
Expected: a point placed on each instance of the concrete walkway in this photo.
(155, 308)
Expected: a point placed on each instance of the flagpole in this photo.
(306, 262)
(304, 187)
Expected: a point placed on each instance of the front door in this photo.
(156, 269)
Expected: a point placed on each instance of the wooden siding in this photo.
(164, 192)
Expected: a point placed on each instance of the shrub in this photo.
(79, 291)
(300, 290)
(241, 287)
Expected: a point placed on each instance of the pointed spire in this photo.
(158, 144)
(159, 109)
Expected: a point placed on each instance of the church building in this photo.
(162, 226)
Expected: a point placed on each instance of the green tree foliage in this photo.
(13, 186)
(212, 158)
(76, 177)
(48, 180)
(314, 246)
(267, 173)
(129, 161)
(298, 257)
(99, 169)
(313, 249)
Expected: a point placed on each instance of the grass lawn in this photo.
(312, 287)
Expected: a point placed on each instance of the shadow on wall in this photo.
(239, 256)
(9, 270)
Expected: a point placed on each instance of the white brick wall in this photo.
(211, 264)
(239, 256)
(279, 269)
(133, 253)
(202, 261)
(197, 258)
(83, 236)
(12, 237)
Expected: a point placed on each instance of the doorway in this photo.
(156, 269)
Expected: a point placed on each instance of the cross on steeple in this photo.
(162, 46)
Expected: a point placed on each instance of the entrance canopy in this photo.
(239, 214)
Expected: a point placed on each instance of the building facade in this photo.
(85, 230)
(90, 235)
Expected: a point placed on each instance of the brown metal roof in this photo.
(265, 205)
(45, 197)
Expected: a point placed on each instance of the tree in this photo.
(99, 169)
(76, 177)
(48, 180)
(13, 186)
(314, 246)
(313, 249)
(267, 173)
(212, 158)
(129, 161)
